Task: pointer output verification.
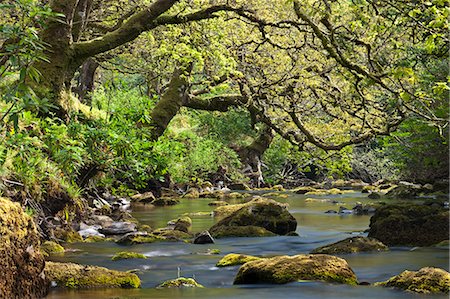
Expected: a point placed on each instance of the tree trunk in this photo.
(251, 155)
(86, 80)
(61, 66)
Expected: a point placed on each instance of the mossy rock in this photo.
(95, 239)
(180, 282)
(21, 261)
(182, 224)
(213, 251)
(146, 197)
(222, 231)
(266, 214)
(139, 238)
(284, 269)
(67, 235)
(165, 201)
(276, 194)
(404, 192)
(127, 255)
(352, 245)
(409, 225)
(426, 280)
(171, 234)
(225, 211)
(304, 190)
(234, 259)
(75, 276)
(50, 247)
(192, 193)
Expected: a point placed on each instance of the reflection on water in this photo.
(314, 226)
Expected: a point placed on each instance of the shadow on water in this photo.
(314, 227)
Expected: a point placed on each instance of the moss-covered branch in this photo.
(171, 101)
(142, 21)
(130, 30)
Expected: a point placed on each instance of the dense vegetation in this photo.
(123, 95)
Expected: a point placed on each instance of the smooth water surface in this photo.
(315, 228)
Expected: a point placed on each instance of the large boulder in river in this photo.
(352, 245)
(409, 224)
(404, 191)
(426, 280)
(21, 262)
(263, 213)
(75, 276)
(225, 211)
(284, 269)
(223, 231)
(233, 259)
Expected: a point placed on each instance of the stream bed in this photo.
(165, 260)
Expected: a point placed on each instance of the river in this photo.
(316, 228)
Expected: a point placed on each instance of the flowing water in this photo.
(167, 259)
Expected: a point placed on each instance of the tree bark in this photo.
(86, 80)
(251, 155)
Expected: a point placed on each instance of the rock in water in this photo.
(233, 259)
(352, 245)
(118, 228)
(75, 276)
(284, 269)
(180, 282)
(203, 238)
(409, 224)
(266, 214)
(21, 262)
(426, 280)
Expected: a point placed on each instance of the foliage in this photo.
(284, 162)
(21, 48)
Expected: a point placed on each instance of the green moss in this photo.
(181, 282)
(426, 280)
(183, 224)
(213, 251)
(234, 259)
(284, 269)
(68, 236)
(79, 276)
(95, 239)
(127, 255)
(50, 247)
(276, 194)
(140, 239)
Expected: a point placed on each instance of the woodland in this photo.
(107, 99)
